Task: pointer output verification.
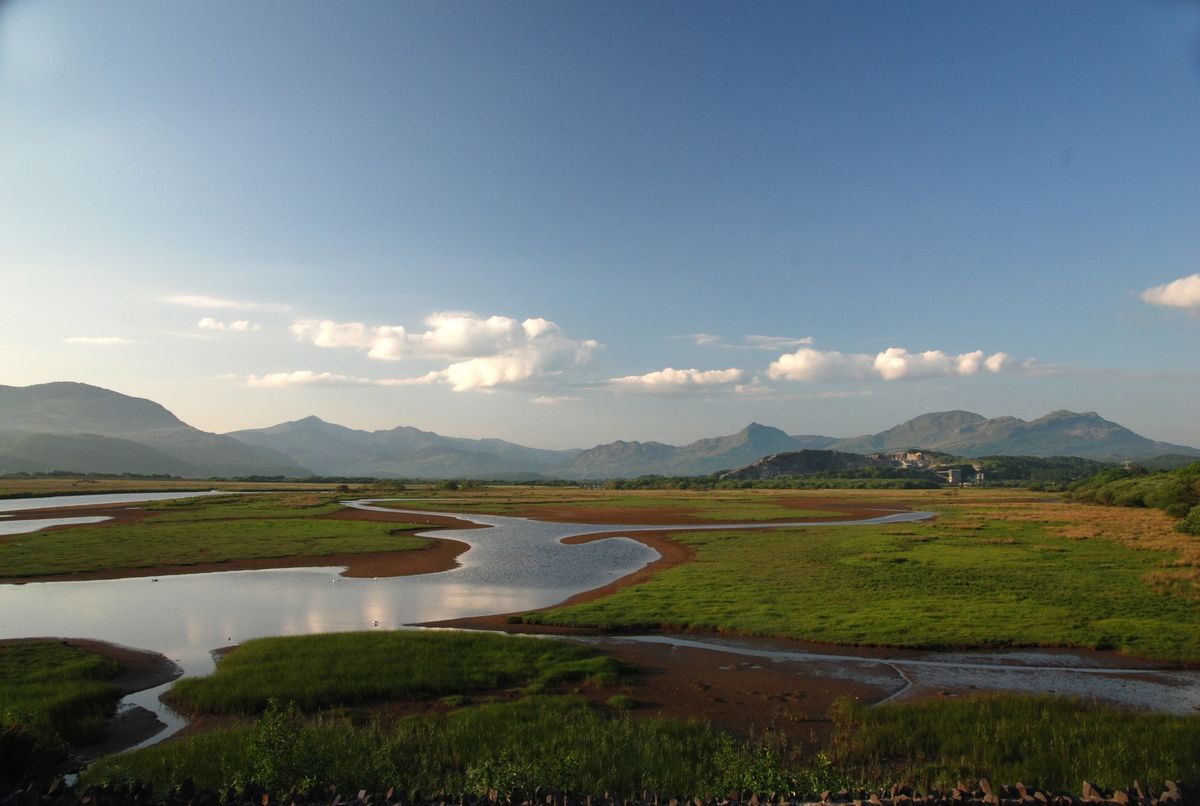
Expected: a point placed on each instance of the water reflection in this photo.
(24, 527)
(98, 499)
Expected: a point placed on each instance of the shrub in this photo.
(1190, 525)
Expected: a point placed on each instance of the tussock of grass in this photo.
(55, 690)
(542, 741)
(343, 669)
(1043, 741)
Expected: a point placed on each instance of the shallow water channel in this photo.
(516, 564)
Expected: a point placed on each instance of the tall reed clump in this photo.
(345, 669)
(1044, 741)
(540, 741)
(562, 743)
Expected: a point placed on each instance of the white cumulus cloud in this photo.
(237, 326)
(809, 364)
(1181, 293)
(675, 381)
(494, 351)
(100, 341)
(894, 363)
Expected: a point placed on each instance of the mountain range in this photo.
(73, 426)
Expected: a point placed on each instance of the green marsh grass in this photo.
(238, 507)
(540, 741)
(150, 543)
(709, 506)
(1049, 742)
(58, 692)
(347, 669)
(965, 580)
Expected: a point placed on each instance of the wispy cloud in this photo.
(223, 303)
(237, 326)
(554, 400)
(303, 377)
(1181, 293)
(495, 351)
(1034, 369)
(894, 363)
(673, 381)
(777, 342)
(752, 342)
(308, 377)
(100, 341)
(755, 388)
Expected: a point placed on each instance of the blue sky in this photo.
(511, 219)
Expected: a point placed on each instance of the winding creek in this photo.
(516, 564)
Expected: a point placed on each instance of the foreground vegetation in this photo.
(1052, 742)
(219, 529)
(346, 669)
(1104, 579)
(51, 695)
(568, 744)
(542, 741)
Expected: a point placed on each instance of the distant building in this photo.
(953, 475)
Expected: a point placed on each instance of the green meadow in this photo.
(540, 734)
(350, 669)
(206, 530)
(989, 571)
(56, 690)
(716, 506)
(1052, 742)
(51, 696)
(559, 742)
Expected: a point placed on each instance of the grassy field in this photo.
(56, 690)
(204, 530)
(542, 741)
(717, 506)
(344, 669)
(994, 569)
(568, 744)
(1051, 742)
(51, 696)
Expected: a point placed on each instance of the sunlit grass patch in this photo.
(56, 690)
(150, 544)
(965, 580)
(344, 669)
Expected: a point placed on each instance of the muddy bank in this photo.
(140, 670)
